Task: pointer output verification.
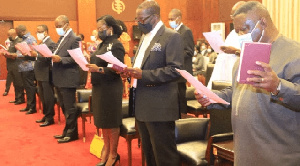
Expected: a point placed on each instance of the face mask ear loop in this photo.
(262, 34)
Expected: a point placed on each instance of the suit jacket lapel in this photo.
(138, 49)
(64, 41)
(154, 40)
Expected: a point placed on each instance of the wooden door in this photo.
(4, 27)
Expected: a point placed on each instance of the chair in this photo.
(193, 106)
(128, 130)
(191, 138)
(209, 70)
(83, 104)
(219, 85)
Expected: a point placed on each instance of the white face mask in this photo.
(40, 36)
(203, 48)
(195, 52)
(93, 38)
(248, 37)
(209, 50)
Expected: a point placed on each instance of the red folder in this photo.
(250, 53)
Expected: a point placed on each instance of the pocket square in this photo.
(156, 47)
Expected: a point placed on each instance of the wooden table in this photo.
(224, 154)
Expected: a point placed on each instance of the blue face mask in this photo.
(248, 37)
(173, 24)
(60, 31)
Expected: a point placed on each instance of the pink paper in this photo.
(215, 40)
(24, 48)
(43, 49)
(77, 55)
(201, 88)
(108, 57)
(4, 52)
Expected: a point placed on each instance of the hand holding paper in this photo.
(215, 40)
(201, 88)
(108, 57)
(23, 48)
(77, 55)
(43, 49)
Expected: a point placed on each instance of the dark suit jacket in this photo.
(157, 91)
(188, 43)
(66, 73)
(43, 65)
(12, 64)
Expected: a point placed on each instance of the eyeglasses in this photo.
(142, 21)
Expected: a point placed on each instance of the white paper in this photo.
(215, 40)
(43, 49)
(201, 88)
(108, 57)
(77, 55)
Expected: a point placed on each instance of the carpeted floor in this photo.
(23, 142)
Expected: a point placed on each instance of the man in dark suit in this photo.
(156, 88)
(175, 22)
(43, 75)
(26, 69)
(65, 74)
(12, 68)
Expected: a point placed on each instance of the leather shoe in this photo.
(30, 111)
(12, 101)
(59, 136)
(19, 102)
(5, 93)
(67, 139)
(24, 109)
(41, 120)
(47, 123)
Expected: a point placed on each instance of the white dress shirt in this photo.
(145, 44)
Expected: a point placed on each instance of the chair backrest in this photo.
(83, 95)
(190, 95)
(219, 85)
(125, 108)
(191, 129)
(209, 70)
(220, 121)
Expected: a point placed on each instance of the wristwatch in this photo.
(278, 89)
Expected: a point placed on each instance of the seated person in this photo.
(198, 62)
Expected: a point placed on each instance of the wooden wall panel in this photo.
(37, 9)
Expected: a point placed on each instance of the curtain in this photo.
(286, 17)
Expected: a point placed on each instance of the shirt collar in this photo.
(156, 28)
(26, 35)
(178, 27)
(67, 33)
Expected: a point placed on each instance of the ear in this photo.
(263, 23)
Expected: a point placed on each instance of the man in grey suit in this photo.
(175, 22)
(43, 75)
(156, 88)
(65, 73)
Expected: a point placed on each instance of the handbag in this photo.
(96, 146)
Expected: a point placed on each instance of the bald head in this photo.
(62, 21)
(176, 12)
(11, 34)
(236, 6)
(254, 7)
(62, 18)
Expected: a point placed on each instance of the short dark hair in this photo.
(81, 36)
(151, 7)
(21, 28)
(45, 27)
(249, 6)
(122, 25)
(111, 22)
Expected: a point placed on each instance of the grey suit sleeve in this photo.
(174, 59)
(69, 59)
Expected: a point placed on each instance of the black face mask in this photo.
(145, 28)
(102, 35)
(10, 38)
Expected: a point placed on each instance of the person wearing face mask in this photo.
(65, 75)
(95, 41)
(225, 61)
(8, 76)
(12, 67)
(26, 68)
(175, 22)
(43, 75)
(212, 55)
(107, 89)
(265, 115)
(155, 85)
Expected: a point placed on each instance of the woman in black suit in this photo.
(107, 88)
